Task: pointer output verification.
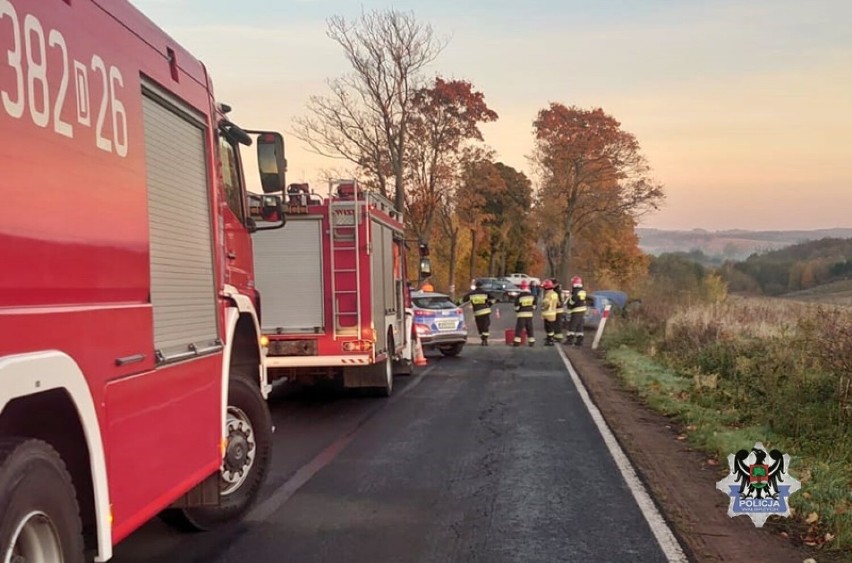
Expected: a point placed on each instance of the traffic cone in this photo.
(419, 359)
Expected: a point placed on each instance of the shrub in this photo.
(768, 367)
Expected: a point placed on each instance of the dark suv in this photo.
(500, 289)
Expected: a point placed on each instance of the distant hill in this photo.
(732, 244)
(798, 267)
(836, 293)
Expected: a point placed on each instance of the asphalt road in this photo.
(490, 456)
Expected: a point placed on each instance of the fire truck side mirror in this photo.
(425, 268)
(271, 162)
(267, 209)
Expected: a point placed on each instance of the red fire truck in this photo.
(131, 365)
(334, 290)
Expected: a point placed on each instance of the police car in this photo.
(439, 322)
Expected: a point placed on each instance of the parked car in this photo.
(595, 305)
(617, 298)
(500, 289)
(439, 322)
(518, 278)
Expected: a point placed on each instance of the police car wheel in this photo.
(452, 350)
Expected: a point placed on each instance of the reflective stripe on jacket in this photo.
(525, 305)
(577, 301)
(481, 302)
(549, 304)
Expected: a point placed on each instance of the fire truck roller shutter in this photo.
(183, 292)
(377, 281)
(288, 274)
(389, 289)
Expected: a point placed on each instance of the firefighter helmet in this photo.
(576, 281)
(547, 284)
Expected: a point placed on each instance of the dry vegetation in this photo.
(738, 370)
(837, 293)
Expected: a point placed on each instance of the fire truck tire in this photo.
(39, 515)
(403, 367)
(386, 372)
(249, 425)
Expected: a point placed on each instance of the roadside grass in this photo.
(838, 293)
(740, 371)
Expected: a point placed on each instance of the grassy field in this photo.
(837, 293)
(745, 370)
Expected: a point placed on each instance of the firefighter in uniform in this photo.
(560, 312)
(481, 302)
(525, 304)
(577, 309)
(549, 303)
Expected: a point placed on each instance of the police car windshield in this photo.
(434, 302)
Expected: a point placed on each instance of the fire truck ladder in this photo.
(344, 242)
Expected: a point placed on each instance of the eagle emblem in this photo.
(758, 484)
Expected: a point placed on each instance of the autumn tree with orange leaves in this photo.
(591, 172)
(445, 115)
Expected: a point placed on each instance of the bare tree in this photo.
(450, 225)
(365, 119)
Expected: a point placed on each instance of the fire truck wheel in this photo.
(247, 457)
(386, 371)
(39, 516)
(403, 367)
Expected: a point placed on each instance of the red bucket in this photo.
(510, 336)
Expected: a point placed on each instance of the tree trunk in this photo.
(472, 254)
(554, 258)
(430, 223)
(564, 273)
(454, 243)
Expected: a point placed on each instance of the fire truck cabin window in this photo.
(231, 178)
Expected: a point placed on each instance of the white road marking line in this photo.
(282, 494)
(664, 535)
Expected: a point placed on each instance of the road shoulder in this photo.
(679, 478)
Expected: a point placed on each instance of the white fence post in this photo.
(598, 334)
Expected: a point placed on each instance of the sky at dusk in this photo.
(743, 109)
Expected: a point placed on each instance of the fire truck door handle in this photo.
(232, 255)
(126, 360)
